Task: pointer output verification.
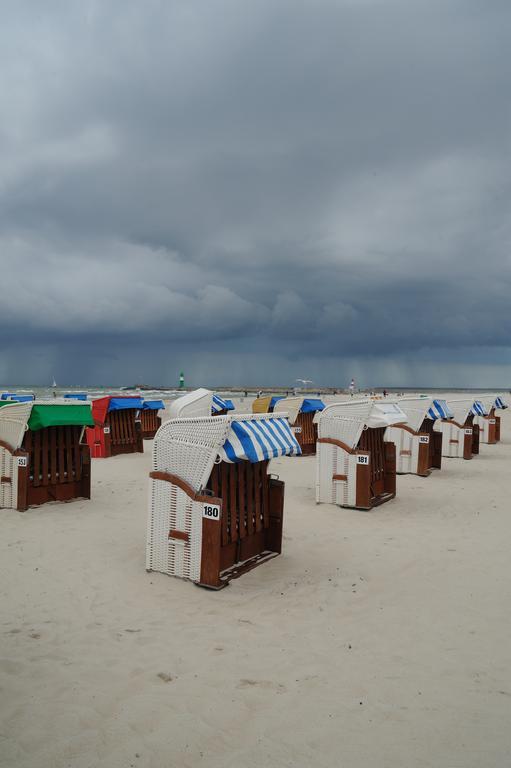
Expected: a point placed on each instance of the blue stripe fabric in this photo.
(255, 440)
(478, 409)
(124, 403)
(275, 399)
(153, 405)
(17, 398)
(439, 410)
(219, 404)
(311, 405)
(499, 403)
(76, 396)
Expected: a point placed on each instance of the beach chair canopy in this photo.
(17, 398)
(295, 405)
(346, 421)
(193, 404)
(478, 408)
(189, 447)
(461, 409)
(416, 410)
(16, 418)
(439, 410)
(259, 439)
(265, 404)
(153, 405)
(76, 396)
(104, 405)
(492, 401)
(219, 404)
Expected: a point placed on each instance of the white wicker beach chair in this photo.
(460, 436)
(214, 509)
(13, 425)
(355, 466)
(489, 432)
(43, 456)
(301, 411)
(418, 447)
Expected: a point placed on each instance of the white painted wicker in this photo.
(13, 423)
(483, 422)
(345, 422)
(186, 448)
(416, 409)
(9, 483)
(289, 405)
(461, 408)
(193, 404)
(453, 438)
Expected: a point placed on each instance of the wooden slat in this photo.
(69, 454)
(61, 466)
(45, 447)
(266, 494)
(36, 458)
(77, 455)
(181, 535)
(53, 456)
(242, 485)
(249, 498)
(233, 506)
(257, 493)
(225, 505)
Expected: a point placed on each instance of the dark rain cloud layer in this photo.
(255, 191)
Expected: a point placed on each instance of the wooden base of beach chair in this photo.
(57, 467)
(150, 423)
(121, 433)
(306, 433)
(240, 524)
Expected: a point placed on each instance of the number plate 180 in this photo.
(211, 511)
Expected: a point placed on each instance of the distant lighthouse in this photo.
(181, 380)
(352, 387)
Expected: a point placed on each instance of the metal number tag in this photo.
(468, 431)
(363, 460)
(211, 511)
(297, 430)
(106, 430)
(22, 461)
(492, 421)
(424, 439)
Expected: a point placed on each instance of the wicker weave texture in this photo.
(347, 430)
(407, 449)
(172, 509)
(460, 409)
(453, 440)
(416, 409)
(330, 461)
(483, 424)
(8, 471)
(188, 448)
(13, 423)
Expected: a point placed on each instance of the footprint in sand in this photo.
(165, 677)
(267, 684)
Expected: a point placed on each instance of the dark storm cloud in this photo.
(255, 190)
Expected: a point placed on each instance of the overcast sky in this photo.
(255, 190)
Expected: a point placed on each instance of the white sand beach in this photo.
(377, 640)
